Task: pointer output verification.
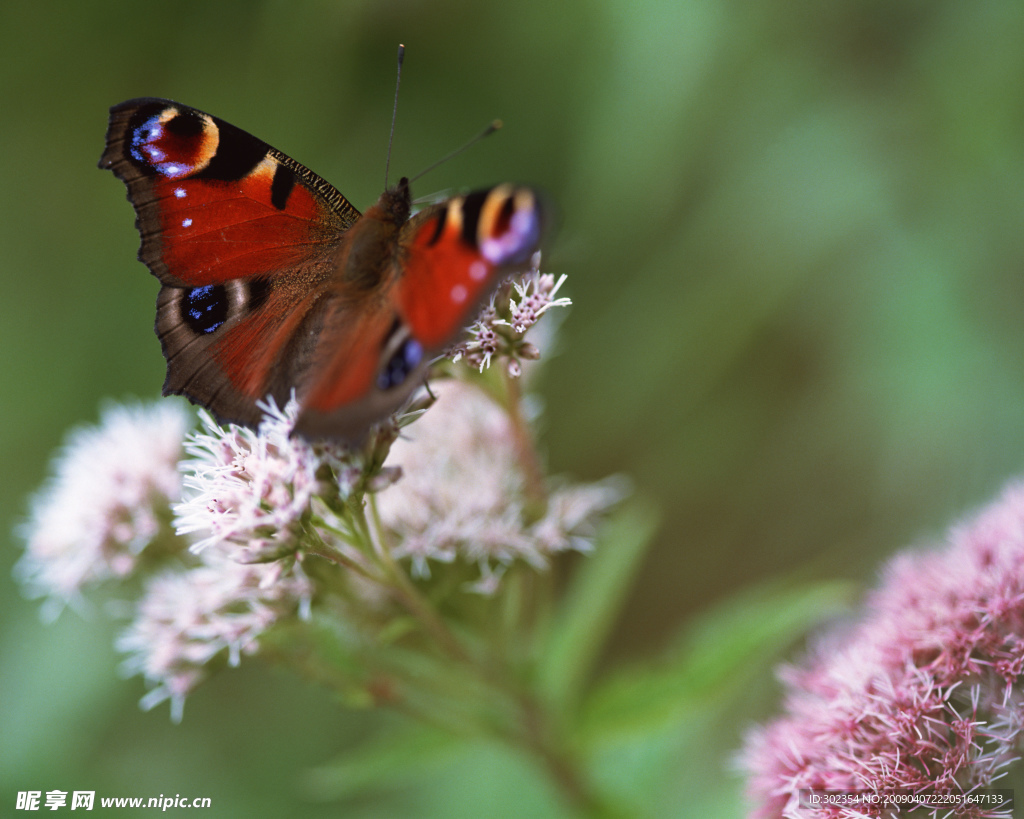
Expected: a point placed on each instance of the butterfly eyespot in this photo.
(504, 220)
(172, 143)
(502, 223)
(205, 308)
(515, 232)
(406, 358)
(185, 125)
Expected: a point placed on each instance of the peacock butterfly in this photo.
(273, 282)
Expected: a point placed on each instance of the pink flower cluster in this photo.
(500, 330)
(923, 695)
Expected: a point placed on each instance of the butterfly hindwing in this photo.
(369, 367)
(229, 345)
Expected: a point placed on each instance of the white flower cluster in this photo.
(226, 551)
(104, 503)
(187, 618)
(463, 493)
(251, 489)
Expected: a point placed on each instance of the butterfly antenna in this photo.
(394, 113)
(490, 129)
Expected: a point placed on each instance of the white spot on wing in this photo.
(186, 223)
(478, 271)
(459, 293)
(179, 192)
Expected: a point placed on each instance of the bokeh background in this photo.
(793, 234)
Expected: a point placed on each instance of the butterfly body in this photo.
(273, 282)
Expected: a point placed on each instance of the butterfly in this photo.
(271, 281)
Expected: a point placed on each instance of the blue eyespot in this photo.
(153, 142)
(205, 308)
(406, 358)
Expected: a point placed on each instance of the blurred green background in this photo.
(793, 234)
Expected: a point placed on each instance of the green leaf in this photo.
(582, 623)
(654, 732)
(393, 756)
(715, 655)
(414, 770)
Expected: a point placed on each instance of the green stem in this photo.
(402, 590)
(527, 723)
(526, 452)
(322, 549)
(538, 737)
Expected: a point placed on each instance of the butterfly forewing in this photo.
(215, 203)
(456, 250)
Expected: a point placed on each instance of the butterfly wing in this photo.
(456, 254)
(448, 260)
(242, 238)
